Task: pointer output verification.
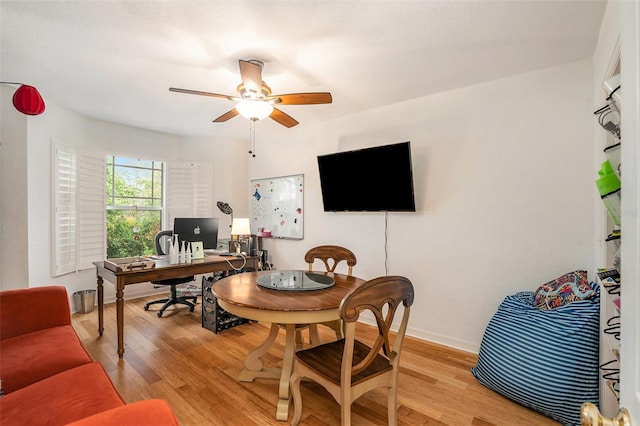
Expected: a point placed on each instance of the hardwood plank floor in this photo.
(175, 359)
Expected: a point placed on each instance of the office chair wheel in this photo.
(191, 308)
(146, 307)
(160, 314)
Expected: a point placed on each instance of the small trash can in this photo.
(84, 300)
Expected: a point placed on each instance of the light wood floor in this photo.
(175, 359)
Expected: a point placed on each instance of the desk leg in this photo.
(282, 412)
(100, 305)
(254, 363)
(120, 320)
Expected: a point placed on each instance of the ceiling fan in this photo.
(256, 101)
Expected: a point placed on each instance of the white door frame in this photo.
(630, 208)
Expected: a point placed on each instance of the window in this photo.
(88, 186)
(134, 205)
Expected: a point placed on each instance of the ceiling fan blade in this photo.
(226, 116)
(197, 92)
(303, 98)
(251, 73)
(283, 118)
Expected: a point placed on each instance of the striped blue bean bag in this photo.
(546, 360)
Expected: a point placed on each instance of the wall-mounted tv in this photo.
(370, 179)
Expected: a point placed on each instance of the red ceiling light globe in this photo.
(28, 101)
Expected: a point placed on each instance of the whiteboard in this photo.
(277, 206)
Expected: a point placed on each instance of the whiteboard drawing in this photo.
(277, 206)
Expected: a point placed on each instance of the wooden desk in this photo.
(162, 271)
(240, 295)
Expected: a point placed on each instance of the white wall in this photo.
(504, 184)
(13, 193)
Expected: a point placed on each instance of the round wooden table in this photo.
(242, 296)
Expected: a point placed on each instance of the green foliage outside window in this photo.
(121, 235)
(134, 206)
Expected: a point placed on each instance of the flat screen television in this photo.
(370, 179)
(192, 229)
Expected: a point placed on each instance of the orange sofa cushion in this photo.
(64, 398)
(31, 357)
(27, 310)
(150, 412)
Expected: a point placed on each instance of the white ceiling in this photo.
(115, 60)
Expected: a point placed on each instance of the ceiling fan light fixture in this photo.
(254, 110)
(256, 102)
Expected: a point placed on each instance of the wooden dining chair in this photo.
(348, 368)
(331, 256)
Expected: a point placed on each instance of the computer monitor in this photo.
(192, 229)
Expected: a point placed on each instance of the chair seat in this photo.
(174, 281)
(326, 359)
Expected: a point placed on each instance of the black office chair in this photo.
(173, 282)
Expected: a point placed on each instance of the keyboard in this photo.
(217, 252)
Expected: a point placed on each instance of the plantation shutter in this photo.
(79, 228)
(91, 196)
(64, 195)
(202, 199)
(189, 188)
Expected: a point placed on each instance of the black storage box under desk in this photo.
(215, 318)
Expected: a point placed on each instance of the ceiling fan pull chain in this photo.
(252, 137)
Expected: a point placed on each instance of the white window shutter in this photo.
(91, 196)
(64, 226)
(203, 199)
(179, 192)
(79, 228)
(188, 191)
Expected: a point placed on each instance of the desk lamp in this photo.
(226, 209)
(241, 227)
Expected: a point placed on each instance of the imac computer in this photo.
(192, 229)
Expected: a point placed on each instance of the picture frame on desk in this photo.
(197, 250)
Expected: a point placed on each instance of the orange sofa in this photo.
(47, 375)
